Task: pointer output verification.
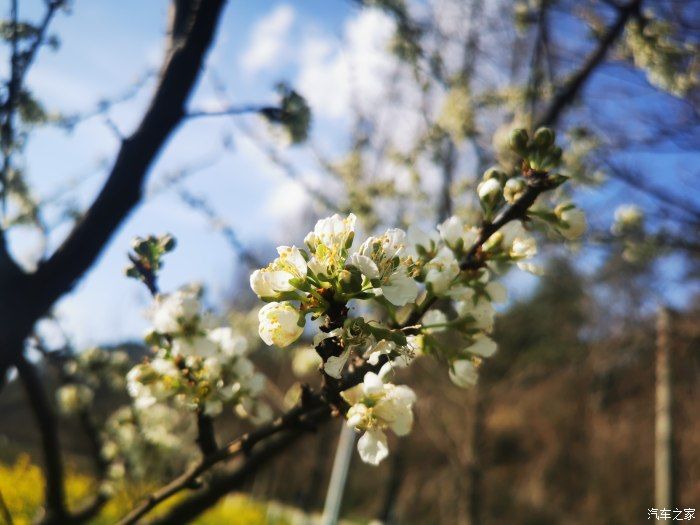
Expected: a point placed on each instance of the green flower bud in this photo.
(140, 246)
(494, 173)
(350, 280)
(552, 159)
(518, 141)
(167, 242)
(544, 138)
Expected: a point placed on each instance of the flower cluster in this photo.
(629, 218)
(431, 293)
(88, 371)
(142, 443)
(199, 362)
(669, 61)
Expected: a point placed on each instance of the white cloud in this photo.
(268, 41)
(287, 200)
(332, 73)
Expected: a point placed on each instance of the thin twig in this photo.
(200, 205)
(572, 88)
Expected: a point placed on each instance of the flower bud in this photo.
(279, 324)
(494, 173)
(167, 242)
(518, 141)
(489, 191)
(552, 158)
(544, 139)
(514, 189)
(573, 221)
(350, 280)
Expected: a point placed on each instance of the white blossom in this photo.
(627, 217)
(72, 398)
(399, 288)
(482, 346)
(328, 244)
(230, 343)
(379, 258)
(273, 280)
(332, 231)
(417, 237)
(497, 292)
(482, 312)
(572, 221)
(442, 270)
(305, 361)
(434, 321)
(375, 407)
(172, 312)
(489, 190)
(463, 373)
(279, 324)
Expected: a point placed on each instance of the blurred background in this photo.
(410, 102)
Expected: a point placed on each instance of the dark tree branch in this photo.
(302, 417)
(48, 426)
(123, 188)
(568, 93)
(222, 484)
(58, 360)
(206, 438)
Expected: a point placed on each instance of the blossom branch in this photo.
(145, 263)
(314, 407)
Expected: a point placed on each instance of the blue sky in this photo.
(324, 48)
(105, 48)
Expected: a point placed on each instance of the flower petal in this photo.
(373, 447)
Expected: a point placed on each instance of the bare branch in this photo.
(123, 188)
(48, 426)
(206, 439)
(199, 205)
(222, 484)
(568, 93)
(232, 111)
(301, 417)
